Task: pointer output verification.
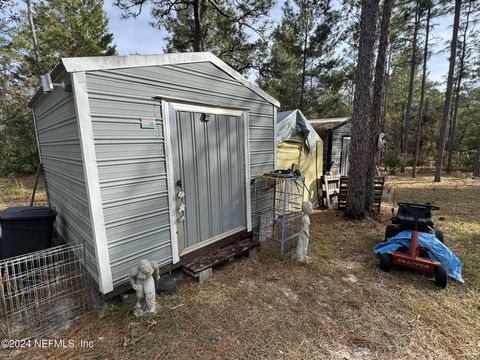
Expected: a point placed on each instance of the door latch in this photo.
(180, 204)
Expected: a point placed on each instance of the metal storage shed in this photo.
(336, 136)
(131, 134)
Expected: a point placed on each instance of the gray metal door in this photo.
(344, 156)
(209, 169)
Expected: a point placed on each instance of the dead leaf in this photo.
(151, 323)
(176, 306)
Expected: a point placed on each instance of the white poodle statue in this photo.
(304, 236)
(142, 278)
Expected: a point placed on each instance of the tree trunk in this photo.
(361, 111)
(377, 100)
(451, 138)
(411, 80)
(199, 13)
(448, 93)
(386, 87)
(34, 37)
(422, 94)
(383, 116)
(304, 63)
(476, 164)
(453, 125)
(450, 117)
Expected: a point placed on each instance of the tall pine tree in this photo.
(232, 30)
(302, 65)
(63, 28)
(361, 116)
(448, 92)
(224, 35)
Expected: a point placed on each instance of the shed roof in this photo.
(323, 120)
(322, 125)
(78, 64)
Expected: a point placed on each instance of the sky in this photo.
(137, 36)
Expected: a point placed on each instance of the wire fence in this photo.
(43, 290)
(277, 208)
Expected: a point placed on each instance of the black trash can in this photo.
(26, 229)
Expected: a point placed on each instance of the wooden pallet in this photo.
(201, 268)
(378, 185)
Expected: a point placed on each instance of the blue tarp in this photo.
(436, 250)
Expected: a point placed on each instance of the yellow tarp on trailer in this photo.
(293, 151)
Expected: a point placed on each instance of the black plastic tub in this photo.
(26, 229)
(167, 284)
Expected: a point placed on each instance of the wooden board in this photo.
(219, 256)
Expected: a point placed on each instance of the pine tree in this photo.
(302, 65)
(223, 36)
(361, 111)
(63, 29)
(377, 100)
(220, 26)
(458, 85)
(421, 107)
(411, 79)
(448, 92)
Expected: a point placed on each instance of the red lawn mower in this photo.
(417, 218)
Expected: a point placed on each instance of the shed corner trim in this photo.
(172, 205)
(275, 132)
(248, 200)
(92, 183)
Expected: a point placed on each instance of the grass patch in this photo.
(18, 191)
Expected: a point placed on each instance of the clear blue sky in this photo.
(137, 36)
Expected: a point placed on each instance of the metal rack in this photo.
(277, 207)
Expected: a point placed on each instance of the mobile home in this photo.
(336, 136)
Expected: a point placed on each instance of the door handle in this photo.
(180, 206)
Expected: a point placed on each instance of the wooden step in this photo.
(201, 268)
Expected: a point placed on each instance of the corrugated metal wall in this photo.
(131, 160)
(61, 154)
(209, 158)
